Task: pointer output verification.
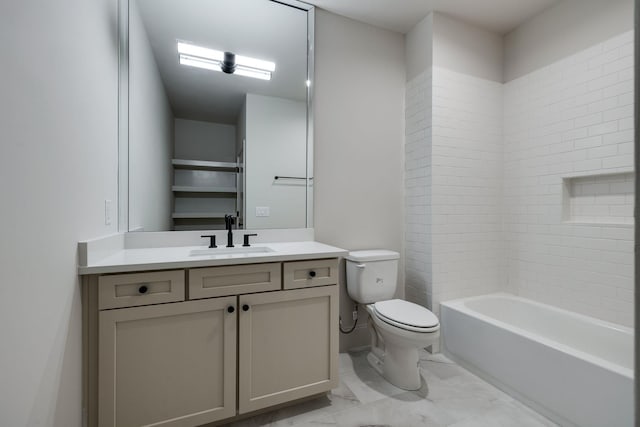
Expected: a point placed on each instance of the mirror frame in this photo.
(123, 110)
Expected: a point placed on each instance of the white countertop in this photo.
(128, 260)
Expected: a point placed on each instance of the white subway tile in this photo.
(604, 128)
(588, 120)
(616, 89)
(618, 113)
(618, 137)
(618, 65)
(587, 165)
(590, 142)
(625, 148)
(620, 161)
(493, 158)
(625, 124)
(604, 151)
(602, 82)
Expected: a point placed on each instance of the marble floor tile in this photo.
(394, 413)
(288, 416)
(505, 414)
(450, 396)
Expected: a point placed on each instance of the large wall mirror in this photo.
(215, 114)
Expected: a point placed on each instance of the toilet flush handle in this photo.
(361, 265)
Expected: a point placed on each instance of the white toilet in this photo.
(399, 328)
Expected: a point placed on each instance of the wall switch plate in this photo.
(262, 211)
(107, 212)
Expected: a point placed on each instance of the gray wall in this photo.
(276, 131)
(150, 135)
(59, 121)
(458, 46)
(196, 140)
(359, 103)
(467, 49)
(418, 48)
(564, 29)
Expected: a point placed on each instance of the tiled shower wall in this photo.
(453, 182)
(418, 185)
(568, 143)
(468, 256)
(486, 171)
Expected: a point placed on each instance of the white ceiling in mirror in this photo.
(243, 27)
(500, 16)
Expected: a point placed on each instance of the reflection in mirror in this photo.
(203, 142)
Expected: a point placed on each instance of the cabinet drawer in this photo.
(234, 280)
(304, 274)
(130, 290)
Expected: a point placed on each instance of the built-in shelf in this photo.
(204, 165)
(198, 189)
(197, 215)
(601, 199)
(204, 191)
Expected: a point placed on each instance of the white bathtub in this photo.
(572, 368)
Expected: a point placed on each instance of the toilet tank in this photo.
(372, 275)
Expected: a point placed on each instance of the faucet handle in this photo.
(246, 239)
(212, 241)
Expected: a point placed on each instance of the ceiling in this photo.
(272, 32)
(499, 16)
(275, 32)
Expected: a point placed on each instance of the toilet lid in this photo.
(406, 313)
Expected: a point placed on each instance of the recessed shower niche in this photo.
(599, 199)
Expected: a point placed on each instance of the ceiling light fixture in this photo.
(215, 60)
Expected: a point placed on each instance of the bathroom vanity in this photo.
(187, 336)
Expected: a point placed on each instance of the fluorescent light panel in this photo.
(252, 72)
(210, 59)
(202, 52)
(200, 63)
(246, 61)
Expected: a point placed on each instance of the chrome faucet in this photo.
(229, 220)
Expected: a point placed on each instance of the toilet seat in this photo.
(406, 315)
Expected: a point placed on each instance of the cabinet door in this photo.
(288, 346)
(168, 365)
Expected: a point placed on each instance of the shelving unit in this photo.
(197, 215)
(204, 165)
(198, 189)
(204, 192)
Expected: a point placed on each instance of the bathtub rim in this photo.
(459, 305)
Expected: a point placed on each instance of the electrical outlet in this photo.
(262, 211)
(107, 212)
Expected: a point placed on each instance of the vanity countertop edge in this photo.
(164, 258)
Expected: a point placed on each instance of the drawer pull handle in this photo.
(312, 274)
(231, 309)
(143, 289)
(245, 307)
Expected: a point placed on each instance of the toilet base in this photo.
(375, 362)
(398, 366)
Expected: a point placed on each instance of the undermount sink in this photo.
(240, 250)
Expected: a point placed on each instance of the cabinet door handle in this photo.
(312, 274)
(143, 289)
(231, 309)
(245, 307)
